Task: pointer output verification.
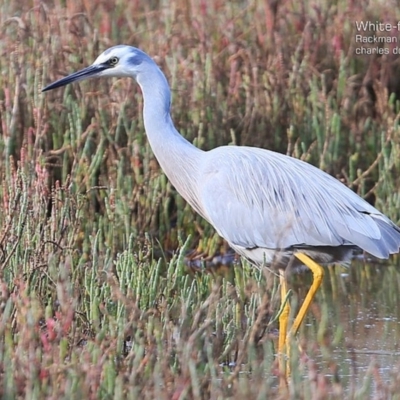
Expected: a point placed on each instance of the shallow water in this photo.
(357, 315)
(352, 329)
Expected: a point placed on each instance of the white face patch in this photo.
(129, 57)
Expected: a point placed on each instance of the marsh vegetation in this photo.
(96, 296)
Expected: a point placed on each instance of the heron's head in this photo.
(117, 61)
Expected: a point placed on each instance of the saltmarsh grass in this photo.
(96, 297)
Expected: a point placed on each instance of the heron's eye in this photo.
(113, 60)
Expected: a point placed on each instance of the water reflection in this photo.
(357, 315)
(353, 327)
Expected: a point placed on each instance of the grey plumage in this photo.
(265, 204)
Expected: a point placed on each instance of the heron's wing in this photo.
(259, 198)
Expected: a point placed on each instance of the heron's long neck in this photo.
(178, 157)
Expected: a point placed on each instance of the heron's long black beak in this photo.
(86, 73)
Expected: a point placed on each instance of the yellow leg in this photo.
(284, 337)
(318, 274)
(283, 324)
(284, 317)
